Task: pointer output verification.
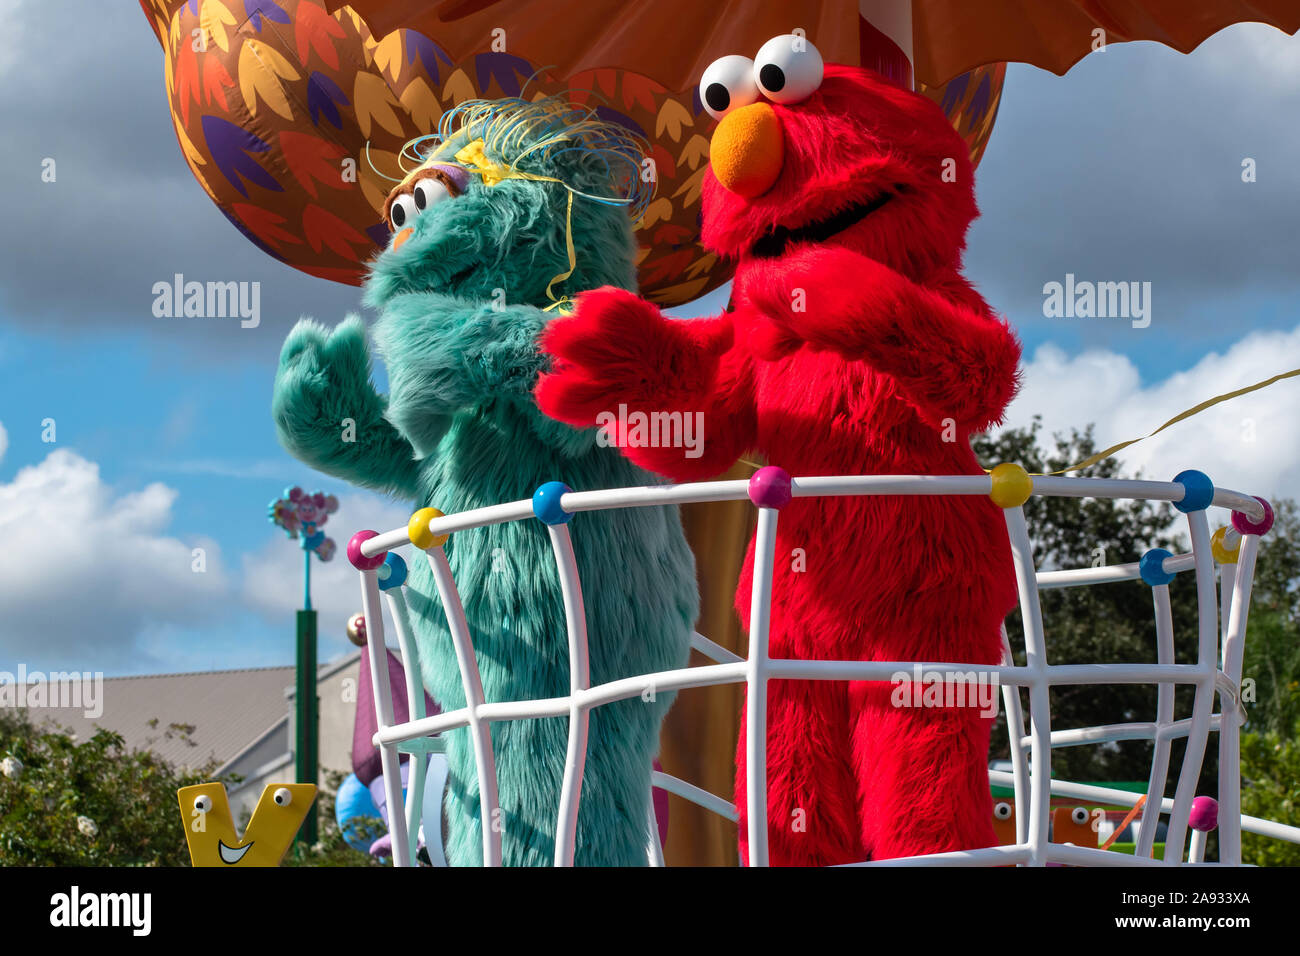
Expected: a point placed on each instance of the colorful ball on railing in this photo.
(1205, 814)
(359, 560)
(770, 487)
(392, 573)
(357, 629)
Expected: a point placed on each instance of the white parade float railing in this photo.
(1216, 671)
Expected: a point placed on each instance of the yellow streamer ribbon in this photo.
(474, 157)
(1181, 416)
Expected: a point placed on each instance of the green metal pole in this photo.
(307, 730)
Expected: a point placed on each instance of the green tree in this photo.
(1115, 623)
(1270, 788)
(1272, 652)
(1108, 623)
(91, 803)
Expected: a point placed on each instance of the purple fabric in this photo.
(457, 174)
(383, 847)
(365, 755)
(379, 796)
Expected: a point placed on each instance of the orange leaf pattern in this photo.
(315, 88)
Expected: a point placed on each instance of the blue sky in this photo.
(1126, 169)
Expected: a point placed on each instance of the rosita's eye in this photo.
(427, 192)
(728, 84)
(788, 69)
(403, 211)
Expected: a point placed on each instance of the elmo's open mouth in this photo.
(774, 242)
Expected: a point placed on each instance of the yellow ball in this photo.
(1221, 552)
(1012, 485)
(418, 529)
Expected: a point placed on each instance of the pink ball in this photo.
(770, 487)
(359, 560)
(1205, 814)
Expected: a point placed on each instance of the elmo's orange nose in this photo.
(747, 150)
(402, 236)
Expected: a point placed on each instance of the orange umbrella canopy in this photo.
(291, 113)
(674, 40)
(951, 36)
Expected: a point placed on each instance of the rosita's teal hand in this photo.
(328, 414)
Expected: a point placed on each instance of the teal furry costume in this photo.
(461, 293)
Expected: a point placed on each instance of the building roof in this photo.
(228, 710)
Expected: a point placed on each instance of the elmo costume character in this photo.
(853, 347)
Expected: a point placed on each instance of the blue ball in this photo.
(353, 803)
(1198, 491)
(546, 503)
(1151, 569)
(396, 569)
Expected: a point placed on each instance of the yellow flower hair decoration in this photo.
(515, 138)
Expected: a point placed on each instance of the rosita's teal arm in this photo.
(328, 414)
(446, 354)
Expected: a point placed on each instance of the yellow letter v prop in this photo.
(210, 829)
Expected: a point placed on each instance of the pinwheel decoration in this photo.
(302, 516)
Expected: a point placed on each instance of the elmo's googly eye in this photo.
(203, 803)
(429, 191)
(788, 69)
(282, 797)
(403, 211)
(728, 84)
(1079, 815)
(1002, 811)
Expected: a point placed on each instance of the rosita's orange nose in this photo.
(402, 236)
(747, 150)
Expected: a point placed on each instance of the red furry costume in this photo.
(893, 363)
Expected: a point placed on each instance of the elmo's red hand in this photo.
(618, 350)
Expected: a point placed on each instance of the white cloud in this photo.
(85, 568)
(1250, 443)
(92, 580)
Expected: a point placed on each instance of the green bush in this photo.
(330, 848)
(1270, 788)
(94, 803)
(87, 803)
